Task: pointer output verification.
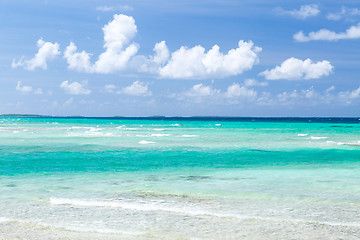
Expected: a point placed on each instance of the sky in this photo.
(180, 58)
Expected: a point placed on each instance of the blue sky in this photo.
(180, 58)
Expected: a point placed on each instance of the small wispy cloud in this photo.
(23, 88)
(27, 89)
(344, 13)
(304, 12)
(106, 8)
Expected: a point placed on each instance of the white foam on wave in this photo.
(317, 138)
(77, 127)
(176, 124)
(138, 206)
(145, 142)
(90, 134)
(99, 134)
(94, 230)
(95, 129)
(345, 143)
(218, 124)
(159, 129)
(302, 134)
(187, 135)
(160, 135)
(153, 205)
(4, 220)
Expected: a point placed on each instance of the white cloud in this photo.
(69, 101)
(109, 88)
(114, 8)
(304, 12)
(79, 61)
(235, 90)
(287, 96)
(162, 53)
(195, 63)
(38, 91)
(117, 36)
(299, 97)
(296, 69)
(344, 13)
(184, 63)
(137, 88)
(241, 95)
(200, 90)
(47, 51)
(324, 34)
(198, 93)
(253, 83)
(75, 88)
(311, 96)
(153, 63)
(330, 89)
(349, 96)
(23, 89)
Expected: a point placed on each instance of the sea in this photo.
(179, 178)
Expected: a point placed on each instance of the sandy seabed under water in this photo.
(245, 229)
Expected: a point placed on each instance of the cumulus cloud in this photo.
(137, 88)
(304, 12)
(200, 90)
(75, 88)
(326, 35)
(198, 93)
(344, 13)
(47, 51)
(22, 88)
(296, 69)
(195, 63)
(79, 61)
(235, 90)
(118, 34)
(184, 63)
(152, 63)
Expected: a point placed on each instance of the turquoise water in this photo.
(178, 178)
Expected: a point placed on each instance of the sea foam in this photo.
(160, 135)
(317, 138)
(145, 142)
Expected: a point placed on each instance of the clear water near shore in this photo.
(180, 179)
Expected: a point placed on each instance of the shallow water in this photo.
(180, 179)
